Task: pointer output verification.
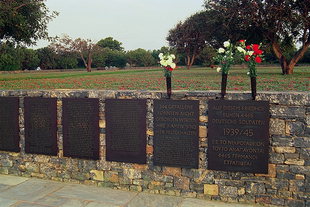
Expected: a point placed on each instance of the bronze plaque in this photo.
(9, 126)
(41, 126)
(176, 130)
(126, 130)
(238, 136)
(80, 118)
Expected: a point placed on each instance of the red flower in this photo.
(258, 59)
(258, 52)
(248, 47)
(255, 47)
(241, 41)
(169, 68)
(247, 58)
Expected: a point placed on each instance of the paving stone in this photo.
(96, 204)
(24, 204)
(151, 200)
(91, 193)
(191, 202)
(11, 180)
(6, 202)
(55, 201)
(31, 190)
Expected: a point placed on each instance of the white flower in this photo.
(218, 69)
(221, 50)
(226, 44)
(251, 53)
(172, 56)
(163, 63)
(240, 49)
(248, 73)
(173, 65)
(161, 55)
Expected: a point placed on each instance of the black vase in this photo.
(223, 85)
(168, 83)
(253, 87)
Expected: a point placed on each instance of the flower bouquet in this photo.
(166, 61)
(252, 55)
(225, 59)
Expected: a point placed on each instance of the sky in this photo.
(135, 23)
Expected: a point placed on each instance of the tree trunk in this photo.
(288, 67)
(89, 61)
(277, 51)
(190, 61)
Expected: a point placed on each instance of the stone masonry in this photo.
(287, 184)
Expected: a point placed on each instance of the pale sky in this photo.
(135, 23)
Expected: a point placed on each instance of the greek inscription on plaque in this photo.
(176, 130)
(126, 130)
(9, 126)
(81, 127)
(41, 126)
(238, 136)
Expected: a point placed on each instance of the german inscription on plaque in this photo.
(176, 130)
(126, 130)
(81, 127)
(41, 126)
(238, 136)
(9, 126)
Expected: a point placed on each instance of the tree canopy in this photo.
(24, 21)
(274, 22)
(84, 47)
(110, 43)
(191, 36)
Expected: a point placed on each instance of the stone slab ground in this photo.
(32, 192)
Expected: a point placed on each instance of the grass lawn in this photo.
(269, 79)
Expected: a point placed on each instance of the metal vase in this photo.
(168, 84)
(223, 85)
(253, 87)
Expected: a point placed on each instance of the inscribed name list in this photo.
(81, 128)
(176, 130)
(126, 130)
(9, 126)
(238, 136)
(41, 125)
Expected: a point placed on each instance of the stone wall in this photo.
(287, 184)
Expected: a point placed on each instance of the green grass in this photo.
(269, 79)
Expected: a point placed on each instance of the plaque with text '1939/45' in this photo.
(81, 127)
(176, 130)
(126, 130)
(41, 125)
(238, 136)
(9, 126)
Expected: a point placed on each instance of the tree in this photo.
(110, 43)
(84, 48)
(24, 21)
(140, 58)
(190, 36)
(30, 59)
(274, 21)
(47, 57)
(10, 57)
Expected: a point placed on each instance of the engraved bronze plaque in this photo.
(9, 126)
(41, 125)
(238, 136)
(176, 131)
(126, 130)
(80, 118)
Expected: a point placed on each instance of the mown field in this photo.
(269, 79)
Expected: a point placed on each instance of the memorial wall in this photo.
(193, 145)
